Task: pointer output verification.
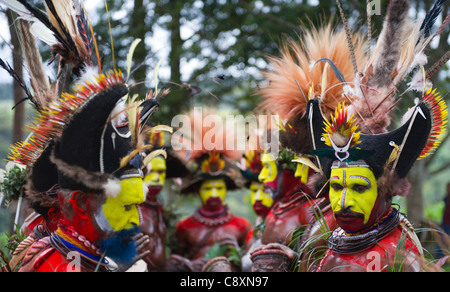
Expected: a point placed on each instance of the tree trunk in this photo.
(415, 206)
(19, 112)
(179, 101)
(139, 30)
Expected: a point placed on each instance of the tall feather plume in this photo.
(400, 49)
(83, 26)
(292, 77)
(375, 96)
(206, 133)
(431, 17)
(384, 61)
(38, 78)
(424, 38)
(349, 38)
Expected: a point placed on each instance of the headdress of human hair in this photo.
(208, 147)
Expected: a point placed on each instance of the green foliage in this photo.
(13, 183)
(8, 244)
(285, 158)
(12, 241)
(222, 44)
(216, 250)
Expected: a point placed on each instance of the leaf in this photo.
(156, 76)
(216, 250)
(130, 54)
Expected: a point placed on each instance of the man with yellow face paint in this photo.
(292, 207)
(99, 181)
(212, 223)
(153, 225)
(353, 194)
(261, 201)
(365, 172)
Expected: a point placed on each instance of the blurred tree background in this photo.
(213, 52)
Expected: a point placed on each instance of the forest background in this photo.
(212, 54)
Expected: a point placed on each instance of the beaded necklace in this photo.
(343, 243)
(65, 240)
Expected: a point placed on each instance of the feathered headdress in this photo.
(63, 26)
(208, 147)
(317, 66)
(399, 51)
(87, 139)
(390, 155)
(159, 138)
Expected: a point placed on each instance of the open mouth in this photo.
(214, 202)
(260, 209)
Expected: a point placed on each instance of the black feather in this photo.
(83, 27)
(431, 17)
(333, 66)
(42, 17)
(69, 51)
(70, 45)
(16, 77)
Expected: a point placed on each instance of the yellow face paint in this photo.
(257, 192)
(122, 211)
(302, 172)
(156, 174)
(213, 188)
(269, 171)
(354, 188)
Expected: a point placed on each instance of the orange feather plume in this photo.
(292, 77)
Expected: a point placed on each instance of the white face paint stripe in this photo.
(344, 192)
(258, 193)
(363, 178)
(214, 193)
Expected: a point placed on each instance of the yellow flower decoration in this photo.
(341, 129)
(213, 164)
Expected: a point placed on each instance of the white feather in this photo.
(89, 75)
(66, 13)
(407, 115)
(112, 188)
(16, 7)
(40, 31)
(417, 82)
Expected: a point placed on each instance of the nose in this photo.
(344, 202)
(258, 193)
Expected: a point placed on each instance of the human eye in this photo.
(360, 188)
(337, 187)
